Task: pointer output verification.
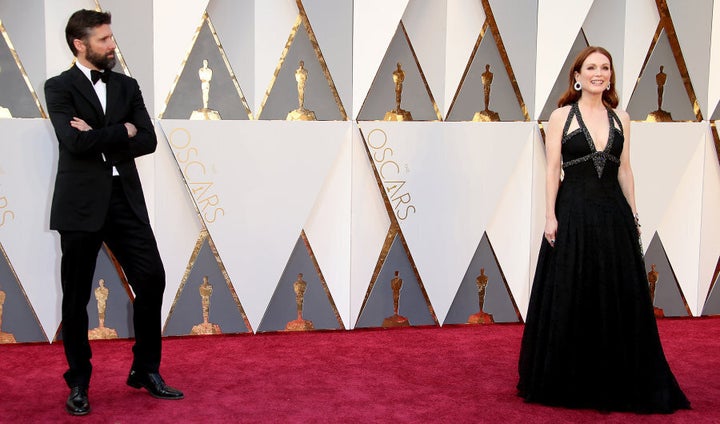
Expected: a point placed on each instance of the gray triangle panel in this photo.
(14, 92)
(316, 305)
(381, 96)
(412, 303)
(471, 96)
(668, 295)
(118, 304)
(497, 300)
(712, 304)
(318, 97)
(187, 312)
(673, 96)
(19, 323)
(223, 95)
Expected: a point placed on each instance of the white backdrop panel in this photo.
(328, 227)
(370, 224)
(510, 229)
(255, 183)
(537, 228)
(177, 224)
(59, 57)
(454, 176)
(710, 230)
(28, 162)
(668, 164)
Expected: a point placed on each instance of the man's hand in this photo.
(79, 124)
(132, 131)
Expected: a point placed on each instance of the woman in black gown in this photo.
(591, 339)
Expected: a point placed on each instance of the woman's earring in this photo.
(577, 86)
(608, 87)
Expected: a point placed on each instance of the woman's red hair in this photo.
(609, 97)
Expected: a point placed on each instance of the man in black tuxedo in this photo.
(102, 125)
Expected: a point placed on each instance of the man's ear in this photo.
(79, 45)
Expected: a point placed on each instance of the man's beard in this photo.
(99, 60)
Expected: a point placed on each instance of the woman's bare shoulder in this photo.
(560, 114)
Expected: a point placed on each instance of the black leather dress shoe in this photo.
(77, 403)
(154, 384)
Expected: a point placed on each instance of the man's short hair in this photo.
(81, 23)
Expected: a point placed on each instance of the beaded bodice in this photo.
(577, 154)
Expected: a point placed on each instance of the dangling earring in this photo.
(577, 86)
(608, 87)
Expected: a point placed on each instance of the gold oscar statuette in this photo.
(396, 320)
(299, 324)
(4, 337)
(481, 317)
(301, 114)
(102, 332)
(398, 114)
(486, 115)
(652, 283)
(205, 114)
(206, 327)
(660, 115)
(4, 112)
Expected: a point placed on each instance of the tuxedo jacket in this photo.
(83, 184)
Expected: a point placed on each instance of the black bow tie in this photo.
(97, 75)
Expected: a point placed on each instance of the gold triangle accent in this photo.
(21, 68)
(120, 272)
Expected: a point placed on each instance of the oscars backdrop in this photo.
(330, 165)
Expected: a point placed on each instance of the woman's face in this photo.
(594, 75)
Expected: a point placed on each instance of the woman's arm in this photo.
(625, 174)
(553, 155)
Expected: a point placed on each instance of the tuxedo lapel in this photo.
(85, 88)
(113, 95)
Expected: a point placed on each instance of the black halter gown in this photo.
(590, 339)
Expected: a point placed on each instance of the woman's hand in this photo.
(551, 230)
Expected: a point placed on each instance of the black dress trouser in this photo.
(132, 242)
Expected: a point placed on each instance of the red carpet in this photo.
(456, 374)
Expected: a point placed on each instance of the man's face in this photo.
(100, 47)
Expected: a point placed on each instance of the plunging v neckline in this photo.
(588, 136)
